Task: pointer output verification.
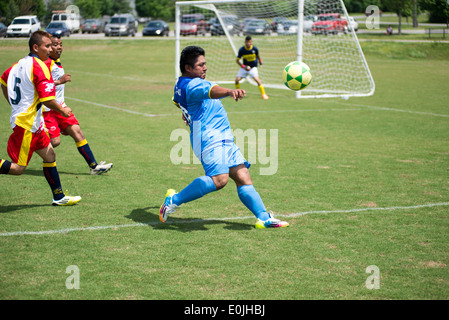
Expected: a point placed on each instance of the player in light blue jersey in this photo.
(212, 141)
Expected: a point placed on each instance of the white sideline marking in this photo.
(117, 108)
(160, 115)
(291, 215)
(395, 109)
(230, 112)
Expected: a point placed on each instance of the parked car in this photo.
(246, 21)
(231, 23)
(308, 22)
(59, 29)
(3, 29)
(353, 24)
(92, 26)
(156, 28)
(276, 21)
(329, 23)
(72, 20)
(287, 27)
(257, 27)
(193, 24)
(23, 26)
(121, 25)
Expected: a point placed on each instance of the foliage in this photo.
(359, 6)
(161, 9)
(9, 9)
(438, 9)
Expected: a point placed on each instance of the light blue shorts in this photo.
(218, 158)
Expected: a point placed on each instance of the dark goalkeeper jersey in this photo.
(249, 55)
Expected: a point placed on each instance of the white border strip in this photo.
(291, 215)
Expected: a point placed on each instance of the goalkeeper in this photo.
(212, 141)
(250, 55)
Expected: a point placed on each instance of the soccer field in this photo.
(363, 183)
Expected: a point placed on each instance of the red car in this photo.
(329, 23)
(193, 24)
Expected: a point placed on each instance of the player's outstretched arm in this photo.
(65, 78)
(52, 104)
(217, 92)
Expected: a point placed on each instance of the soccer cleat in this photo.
(101, 168)
(271, 223)
(67, 201)
(265, 97)
(168, 206)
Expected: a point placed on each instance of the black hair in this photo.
(248, 38)
(189, 56)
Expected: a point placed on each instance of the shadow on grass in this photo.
(5, 209)
(150, 216)
(32, 172)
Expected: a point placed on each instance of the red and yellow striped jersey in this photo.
(29, 83)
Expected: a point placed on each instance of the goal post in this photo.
(316, 32)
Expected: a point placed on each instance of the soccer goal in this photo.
(317, 32)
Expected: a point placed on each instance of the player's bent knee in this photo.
(220, 181)
(16, 169)
(55, 142)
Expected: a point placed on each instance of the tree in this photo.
(89, 8)
(8, 10)
(401, 7)
(438, 9)
(162, 9)
(121, 6)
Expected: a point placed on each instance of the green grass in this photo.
(387, 150)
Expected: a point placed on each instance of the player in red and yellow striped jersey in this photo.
(28, 85)
(57, 124)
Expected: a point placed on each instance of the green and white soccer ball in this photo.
(296, 75)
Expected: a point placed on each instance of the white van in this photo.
(71, 20)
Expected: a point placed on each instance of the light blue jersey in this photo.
(210, 130)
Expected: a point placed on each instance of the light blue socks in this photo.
(252, 200)
(198, 188)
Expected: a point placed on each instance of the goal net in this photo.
(317, 32)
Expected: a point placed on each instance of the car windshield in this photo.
(154, 24)
(89, 22)
(326, 18)
(56, 25)
(280, 20)
(256, 23)
(21, 21)
(290, 23)
(189, 20)
(229, 20)
(118, 20)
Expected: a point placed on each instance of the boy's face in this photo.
(248, 43)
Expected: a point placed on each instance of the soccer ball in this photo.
(296, 75)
